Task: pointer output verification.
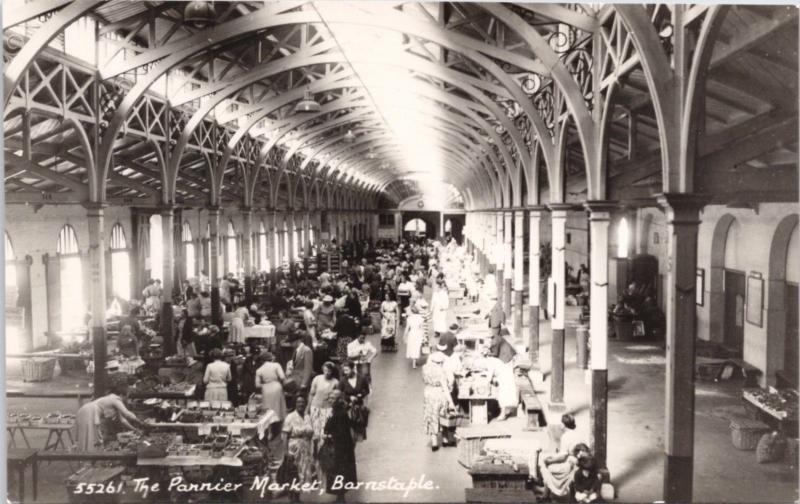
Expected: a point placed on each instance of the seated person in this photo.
(586, 482)
(558, 470)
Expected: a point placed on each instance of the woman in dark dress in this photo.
(355, 389)
(338, 433)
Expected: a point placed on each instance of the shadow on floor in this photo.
(635, 466)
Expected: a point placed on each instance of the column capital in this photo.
(213, 209)
(246, 209)
(682, 208)
(537, 210)
(554, 207)
(166, 208)
(94, 208)
(600, 210)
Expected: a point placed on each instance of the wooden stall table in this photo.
(257, 427)
(265, 333)
(18, 459)
(191, 460)
(783, 421)
(55, 435)
(180, 397)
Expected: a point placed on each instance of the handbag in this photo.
(425, 350)
(287, 471)
(327, 457)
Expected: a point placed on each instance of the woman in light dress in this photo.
(100, 420)
(319, 397)
(389, 317)
(414, 335)
(270, 378)
(237, 329)
(297, 434)
(216, 378)
(437, 399)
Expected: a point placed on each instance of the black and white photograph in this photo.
(394, 251)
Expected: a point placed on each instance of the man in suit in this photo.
(302, 363)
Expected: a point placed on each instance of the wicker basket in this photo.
(38, 369)
(471, 441)
(746, 432)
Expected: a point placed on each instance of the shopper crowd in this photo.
(314, 372)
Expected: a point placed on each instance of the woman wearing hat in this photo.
(270, 378)
(326, 314)
(437, 399)
(414, 335)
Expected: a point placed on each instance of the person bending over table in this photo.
(100, 420)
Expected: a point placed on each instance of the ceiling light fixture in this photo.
(199, 14)
(349, 137)
(308, 105)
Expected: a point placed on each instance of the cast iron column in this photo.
(519, 271)
(213, 270)
(97, 272)
(683, 212)
(599, 218)
(508, 265)
(247, 244)
(167, 313)
(534, 280)
(559, 222)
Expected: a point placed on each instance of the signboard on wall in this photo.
(387, 233)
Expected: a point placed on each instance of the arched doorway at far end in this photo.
(431, 220)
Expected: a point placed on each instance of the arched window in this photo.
(120, 263)
(295, 243)
(286, 238)
(416, 226)
(156, 248)
(208, 251)
(12, 330)
(623, 238)
(263, 257)
(70, 280)
(276, 252)
(188, 249)
(11, 274)
(232, 251)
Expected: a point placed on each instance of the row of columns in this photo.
(348, 225)
(356, 224)
(488, 236)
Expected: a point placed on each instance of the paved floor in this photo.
(398, 448)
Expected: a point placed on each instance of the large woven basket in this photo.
(38, 369)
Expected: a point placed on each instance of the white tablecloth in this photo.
(260, 331)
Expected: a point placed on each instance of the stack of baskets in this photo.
(38, 369)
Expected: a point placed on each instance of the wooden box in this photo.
(746, 432)
(471, 441)
(499, 476)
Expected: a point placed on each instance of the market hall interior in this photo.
(622, 180)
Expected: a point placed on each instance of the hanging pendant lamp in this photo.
(308, 105)
(199, 14)
(349, 137)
